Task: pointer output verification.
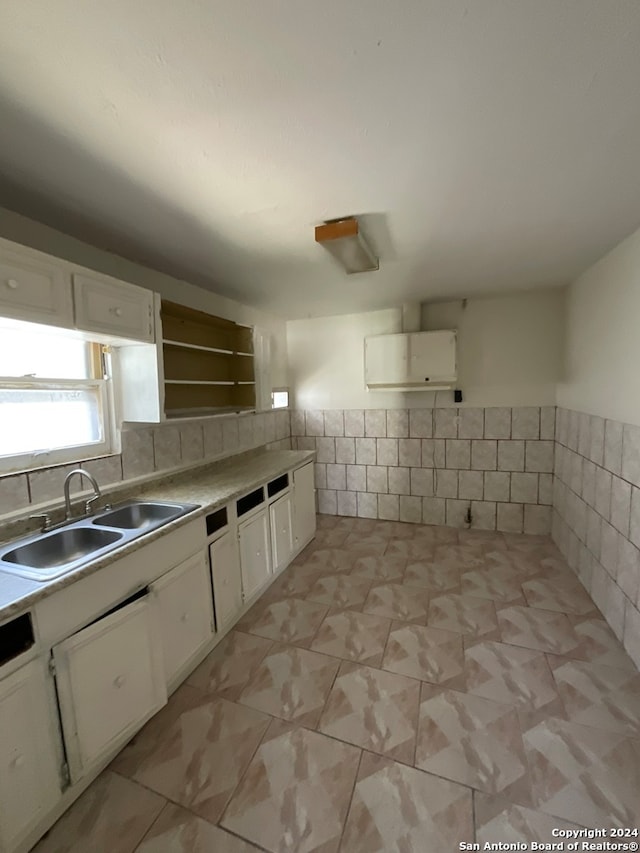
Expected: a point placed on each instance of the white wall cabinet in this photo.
(184, 611)
(227, 581)
(410, 361)
(304, 507)
(33, 289)
(113, 308)
(30, 754)
(281, 523)
(255, 562)
(110, 679)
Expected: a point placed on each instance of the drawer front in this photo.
(113, 309)
(184, 608)
(110, 681)
(34, 292)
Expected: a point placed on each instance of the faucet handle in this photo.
(88, 506)
(45, 518)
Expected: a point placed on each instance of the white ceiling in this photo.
(489, 144)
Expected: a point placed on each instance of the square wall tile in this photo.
(446, 484)
(511, 456)
(456, 514)
(298, 422)
(545, 489)
(387, 451)
(483, 515)
(457, 453)
(409, 452)
(539, 456)
(433, 510)
(191, 443)
(422, 481)
(524, 488)
(166, 447)
(548, 423)
(584, 434)
(421, 423)
(334, 422)
(357, 478)
(326, 449)
(389, 507)
(631, 453)
(137, 454)
(314, 422)
(537, 519)
(107, 469)
(327, 502)
(445, 423)
(366, 451)
(497, 485)
(354, 422)
(497, 422)
(367, 505)
(377, 479)
(320, 475)
(525, 422)
(14, 493)
(212, 435)
(399, 481)
(613, 440)
(603, 493)
(411, 509)
(510, 518)
(484, 455)
(347, 503)
(230, 435)
(620, 505)
(375, 423)
(596, 445)
(471, 423)
(346, 450)
(336, 477)
(397, 423)
(433, 455)
(470, 485)
(628, 576)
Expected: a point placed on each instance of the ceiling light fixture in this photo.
(342, 237)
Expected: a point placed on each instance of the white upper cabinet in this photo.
(114, 308)
(34, 289)
(30, 754)
(410, 361)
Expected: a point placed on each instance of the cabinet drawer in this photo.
(113, 308)
(110, 681)
(184, 609)
(34, 291)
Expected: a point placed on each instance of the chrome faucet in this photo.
(88, 507)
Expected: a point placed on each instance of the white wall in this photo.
(38, 236)
(510, 353)
(603, 337)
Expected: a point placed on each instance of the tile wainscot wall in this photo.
(432, 465)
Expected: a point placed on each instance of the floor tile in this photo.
(604, 697)
(437, 577)
(290, 620)
(331, 538)
(499, 821)
(437, 535)
(411, 549)
(598, 643)
(429, 654)
(508, 674)
(339, 591)
(113, 814)
(379, 568)
(488, 539)
(584, 775)
(353, 636)
(474, 741)
(396, 529)
(227, 668)
(291, 683)
(375, 710)
(294, 582)
(473, 617)
(326, 560)
(295, 794)
(566, 596)
(194, 751)
(499, 585)
(363, 543)
(398, 808)
(396, 601)
(544, 630)
(464, 557)
(180, 831)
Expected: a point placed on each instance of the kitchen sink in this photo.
(142, 514)
(49, 555)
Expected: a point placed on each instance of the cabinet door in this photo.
(110, 680)
(227, 582)
(255, 563)
(184, 608)
(304, 505)
(113, 308)
(281, 521)
(30, 757)
(385, 359)
(34, 290)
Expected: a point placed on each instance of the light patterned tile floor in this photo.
(398, 688)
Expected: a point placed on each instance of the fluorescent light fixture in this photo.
(343, 239)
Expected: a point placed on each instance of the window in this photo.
(279, 398)
(54, 399)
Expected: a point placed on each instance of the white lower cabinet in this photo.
(185, 613)
(227, 583)
(110, 680)
(281, 522)
(304, 509)
(30, 754)
(255, 562)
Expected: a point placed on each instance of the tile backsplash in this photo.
(596, 515)
(147, 452)
(434, 465)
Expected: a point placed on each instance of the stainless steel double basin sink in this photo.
(49, 555)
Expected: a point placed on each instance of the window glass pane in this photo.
(26, 352)
(279, 399)
(41, 420)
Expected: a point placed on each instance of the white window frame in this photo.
(280, 391)
(59, 455)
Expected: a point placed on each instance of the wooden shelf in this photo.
(208, 362)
